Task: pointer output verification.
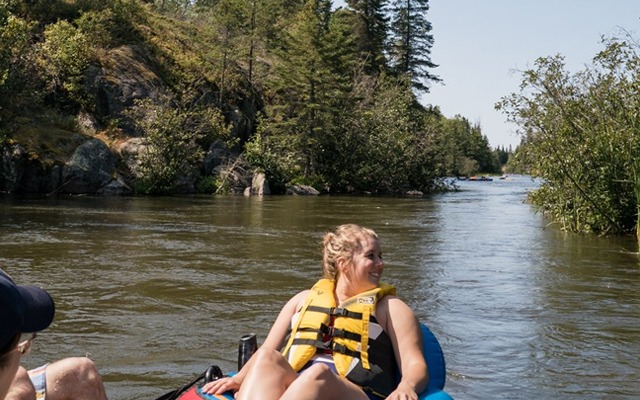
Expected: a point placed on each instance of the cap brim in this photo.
(40, 308)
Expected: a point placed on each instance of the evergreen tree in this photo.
(464, 149)
(231, 26)
(297, 89)
(371, 30)
(274, 19)
(411, 42)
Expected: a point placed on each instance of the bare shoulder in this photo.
(279, 329)
(392, 304)
(297, 301)
(391, 310)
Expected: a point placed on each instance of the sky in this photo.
(480, 45)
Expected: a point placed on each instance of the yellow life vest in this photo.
(350, 343)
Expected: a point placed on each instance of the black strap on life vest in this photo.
(339, 348)
(336, 311)
(326, 330)
(330, 331)
(343, 312)
(336, 332)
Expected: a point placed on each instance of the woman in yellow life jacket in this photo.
(347, 338)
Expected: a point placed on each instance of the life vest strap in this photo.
(336, 332)
(316, 343)
(323, 310)
(342, 349)
(343, 312)
(336, 312)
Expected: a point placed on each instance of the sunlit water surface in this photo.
(157, 289)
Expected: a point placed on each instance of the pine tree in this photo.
(301, 79)
(372, 31)
(411, 43)
(230, 24)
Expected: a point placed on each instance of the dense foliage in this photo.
(313, 94)
(581, 136)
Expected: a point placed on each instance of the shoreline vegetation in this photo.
(160, 97)
(132, 97)
(580, 134)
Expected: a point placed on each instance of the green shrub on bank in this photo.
(207, 185)
(173, 135)
(581, 136)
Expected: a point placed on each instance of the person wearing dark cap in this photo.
(24, 311)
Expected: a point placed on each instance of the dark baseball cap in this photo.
(23, 309)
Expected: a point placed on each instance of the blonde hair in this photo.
(342, 243)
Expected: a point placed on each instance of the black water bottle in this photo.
(248, 346)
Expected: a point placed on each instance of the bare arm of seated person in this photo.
(403, 328)
(274, 341)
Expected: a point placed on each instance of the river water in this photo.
(157, 289)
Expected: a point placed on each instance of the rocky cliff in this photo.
(91, 156)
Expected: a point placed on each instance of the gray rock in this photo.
(217, 154)
(302, 190)
(259, 185)
(130, 151)
(124, 76)
(87, 124)
(91, 167)
(117, 187)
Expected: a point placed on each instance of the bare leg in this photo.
(269, 376)
(318, 382)
(74, 378)
(21, 387)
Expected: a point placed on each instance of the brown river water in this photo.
(157, 289)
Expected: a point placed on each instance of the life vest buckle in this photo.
(339, 312)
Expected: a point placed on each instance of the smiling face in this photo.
(363, 270)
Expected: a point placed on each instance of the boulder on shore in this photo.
(91, 167)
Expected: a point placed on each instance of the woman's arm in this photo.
(275, 339)
(278, 333)
(404, 330)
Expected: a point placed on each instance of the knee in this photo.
(76, 376)
(21, 387)
(267, 356)
(316, 373)
(313, 381)
(83, 369)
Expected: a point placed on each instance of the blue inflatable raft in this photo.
(432, 353)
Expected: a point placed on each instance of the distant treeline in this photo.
(306, 92)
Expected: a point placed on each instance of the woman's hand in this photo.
(221, 385)
(404, 391)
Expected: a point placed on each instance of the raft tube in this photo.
(435, 361)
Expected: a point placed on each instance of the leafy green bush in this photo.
(275, 154)
(17, 86)
(172, 134)
(207, 184)
(63, 58)
(98, 26)
(581, 136)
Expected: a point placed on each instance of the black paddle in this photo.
(211, 374)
